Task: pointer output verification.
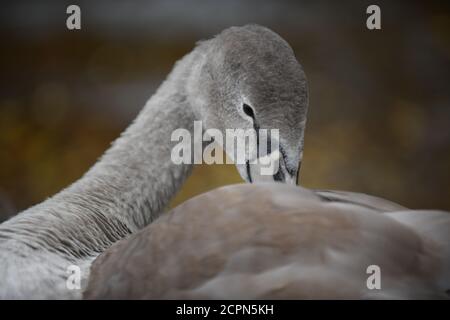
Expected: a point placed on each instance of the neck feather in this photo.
(125, 190)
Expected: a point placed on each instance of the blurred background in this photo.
(379, 118)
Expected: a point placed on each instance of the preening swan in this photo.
(241, 68)
(277, 241)
(264, 240)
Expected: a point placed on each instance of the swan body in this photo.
(277, 241)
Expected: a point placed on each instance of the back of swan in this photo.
(278, 241)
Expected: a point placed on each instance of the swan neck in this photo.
(137, 174)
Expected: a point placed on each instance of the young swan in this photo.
(245, 77)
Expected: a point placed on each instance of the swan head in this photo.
(249, 78)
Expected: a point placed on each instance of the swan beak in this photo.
(285, 175)
(269, 168)
(297, 180)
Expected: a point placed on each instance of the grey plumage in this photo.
(134, 180)
(276, 241)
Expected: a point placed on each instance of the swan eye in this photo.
(248, 111)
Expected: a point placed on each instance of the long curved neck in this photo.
(135, 179)
(126, 189)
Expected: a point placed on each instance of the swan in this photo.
(245, 77)
(279, 241)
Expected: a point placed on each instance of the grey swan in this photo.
(262, 240)
(244, 78)
(280, 241)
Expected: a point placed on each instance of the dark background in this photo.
(379, 119)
